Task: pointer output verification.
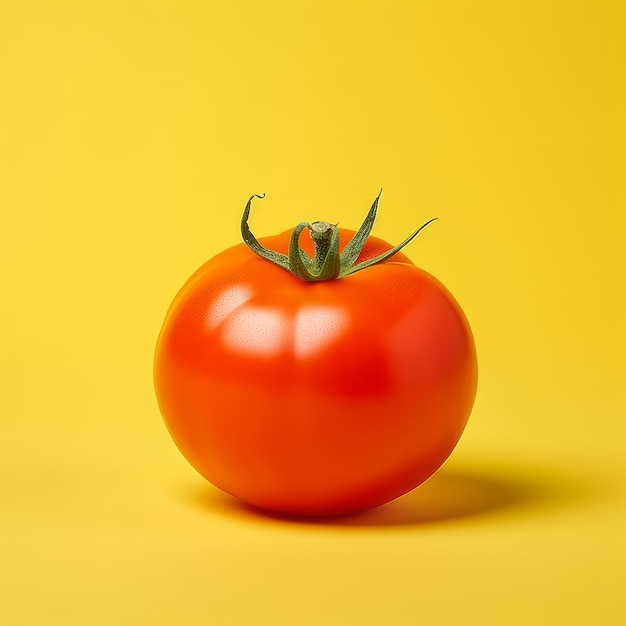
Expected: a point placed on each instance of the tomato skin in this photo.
(314, 398)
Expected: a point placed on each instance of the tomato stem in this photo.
(328, 263)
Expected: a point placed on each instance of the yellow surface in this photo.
(131, 135)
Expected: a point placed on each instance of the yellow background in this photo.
(131, 135)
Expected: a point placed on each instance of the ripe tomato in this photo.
(315, 398)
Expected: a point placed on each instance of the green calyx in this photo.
(328, 263)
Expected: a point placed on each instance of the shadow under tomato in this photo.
(451, 494)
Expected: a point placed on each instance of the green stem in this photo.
(328, 263)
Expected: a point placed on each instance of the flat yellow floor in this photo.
(131, 135)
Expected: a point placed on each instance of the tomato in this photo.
(313, 398)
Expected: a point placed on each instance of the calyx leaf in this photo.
(328, 263)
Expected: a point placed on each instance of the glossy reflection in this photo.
(226, 303)
(265, 331)
(316, 327)
(258, 331)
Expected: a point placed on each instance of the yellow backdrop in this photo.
(131, 135)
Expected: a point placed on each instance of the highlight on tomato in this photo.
(315, 375)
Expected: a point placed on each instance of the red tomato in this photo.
(314, 398)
